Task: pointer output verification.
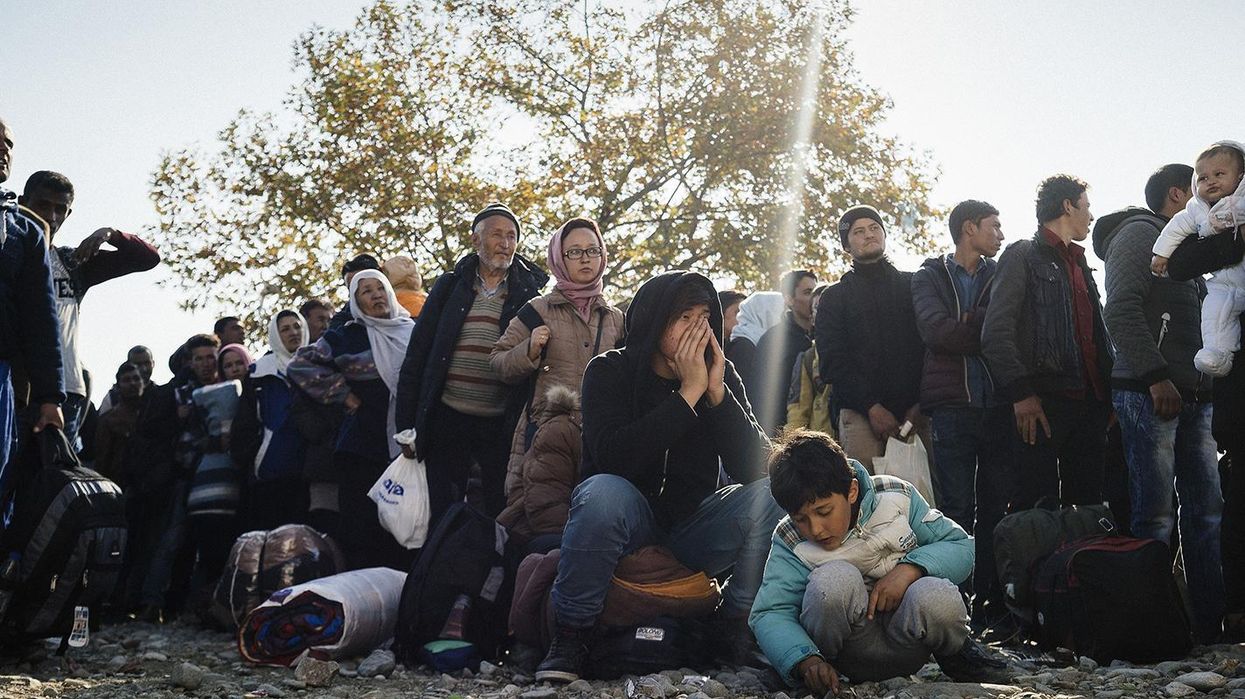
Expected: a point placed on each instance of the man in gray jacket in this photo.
(1161, 400)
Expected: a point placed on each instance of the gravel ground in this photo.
(179, 660)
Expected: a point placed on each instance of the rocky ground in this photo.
(142, 660)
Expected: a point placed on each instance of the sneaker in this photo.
(565, 659)
(973, 664)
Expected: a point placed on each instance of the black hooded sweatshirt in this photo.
(636, 425)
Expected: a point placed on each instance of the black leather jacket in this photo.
(1029, 337)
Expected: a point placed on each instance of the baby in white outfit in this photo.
(1218, 206)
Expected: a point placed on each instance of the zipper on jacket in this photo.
(1163, 330)
(955, 292)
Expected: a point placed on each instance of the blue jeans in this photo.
(972, 461)
(609, 518)
(74, 410)
(1180, 450)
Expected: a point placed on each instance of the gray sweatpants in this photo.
(930, 619)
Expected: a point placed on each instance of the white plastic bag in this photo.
(401, 497)
(907, 459)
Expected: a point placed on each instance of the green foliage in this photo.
(671, 124)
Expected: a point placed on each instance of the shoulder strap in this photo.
(596, 346)
(530, 317)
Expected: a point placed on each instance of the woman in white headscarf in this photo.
(758, 313)
(266, 442)
(356, 366)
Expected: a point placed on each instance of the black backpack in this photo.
(1022, 540)
(1112, 598)
(67, 538)
(660, 644)
(468, 560)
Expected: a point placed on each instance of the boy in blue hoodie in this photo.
(861, 574)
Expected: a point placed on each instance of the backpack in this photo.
(1023, 539)
(1112, 598)
(659, 644)
(460, 586)
(67, 538)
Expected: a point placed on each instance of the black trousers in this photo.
(457, 442)
(1068, 465)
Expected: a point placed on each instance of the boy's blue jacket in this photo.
(895, 526)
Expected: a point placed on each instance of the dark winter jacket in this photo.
(29, 335)
(951, 341)
(1155, 323)
(867, 340)
(770, 382)
(266, 441)
(1195, 257)
(1029, 337)
(436, 334)
(636, 425)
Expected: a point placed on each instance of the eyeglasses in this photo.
(576, 253)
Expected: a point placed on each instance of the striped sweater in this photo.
(471, 385)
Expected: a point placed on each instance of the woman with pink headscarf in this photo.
(547, 346)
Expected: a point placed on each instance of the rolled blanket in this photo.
(346, 614)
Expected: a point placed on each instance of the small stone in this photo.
(674, 676)
(1238, 683)
(1088, 664)
(348, 673)
(293, 684)
(116, 663)
(1179, 689)
(781, 695)
(579, 686)
(1203, 681)
(51, 692)
(156, 656)
(698, 695)
(1136, 673)
(268, 690)
(1109, 694)
(714, 689)
(315, 672)
(379, 662)
(488, 669)
(131, 643)
(511, 690)
(540, 693)
(187, 676)
(250, 686)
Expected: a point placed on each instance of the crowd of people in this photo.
(744, 432)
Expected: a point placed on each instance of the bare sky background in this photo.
(1000, 94)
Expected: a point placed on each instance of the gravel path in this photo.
(141, 660)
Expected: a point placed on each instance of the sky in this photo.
(999, 94)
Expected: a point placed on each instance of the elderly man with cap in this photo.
(868, 342)
(460, 409)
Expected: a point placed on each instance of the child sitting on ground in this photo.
(861, 574)
(1218, 205)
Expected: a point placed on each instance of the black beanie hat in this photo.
(497, 209)
(854, 214)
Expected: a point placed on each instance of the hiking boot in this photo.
(565, 659)
(973, 664)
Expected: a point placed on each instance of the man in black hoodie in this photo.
(658, 416)
(1162, 402)
(868, 343)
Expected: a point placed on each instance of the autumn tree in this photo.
(673, 124)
